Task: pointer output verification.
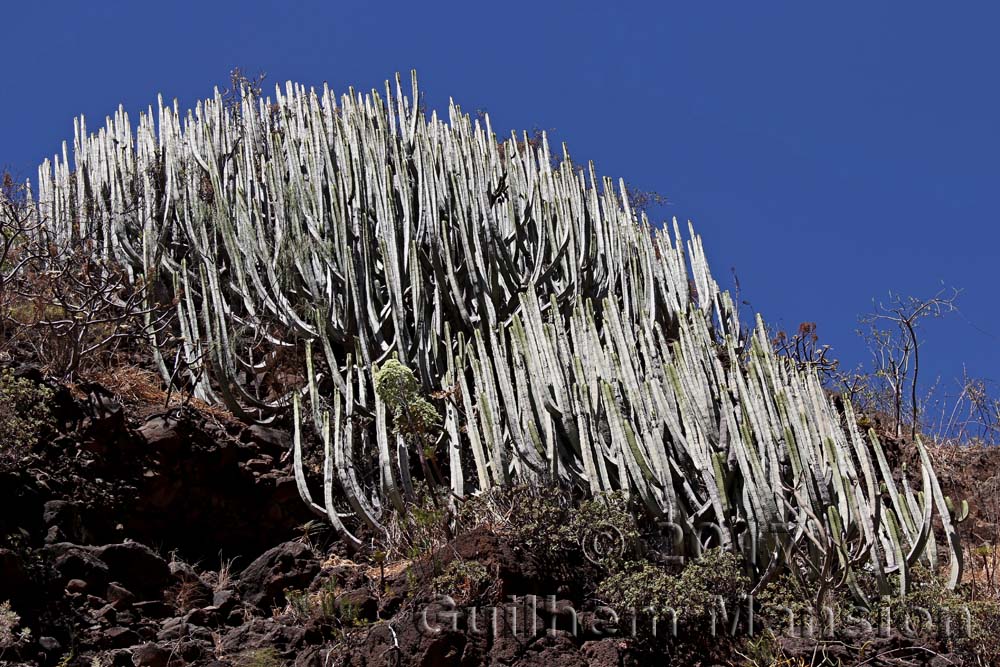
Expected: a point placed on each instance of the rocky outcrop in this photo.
(287, 566)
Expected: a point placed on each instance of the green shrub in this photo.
(9, 622)
(984, 640)
(930, 611)
(414, 417)
(783, 608)
(764, 650)
(605, 529)
(24, 415)
(262, 657)
(544, 523)
(462, 580)
(966, 625)
(318, 605)
(709, 588)
(325, 605)
(539, 523)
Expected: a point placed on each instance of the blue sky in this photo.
(829, 153)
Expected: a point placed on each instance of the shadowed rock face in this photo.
(14, 581)
(210, 495)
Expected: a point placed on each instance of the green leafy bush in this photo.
(9, 622)
(414, 417)
(546, 523)
(539, 523)
(930, 612)
(966, 625)
(320, 604)
(709, 588)
(783, 608)
(462, 580)
(605, 530)
(24, 415)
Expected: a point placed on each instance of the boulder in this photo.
(270, 440)
(119, 596)
(289, 565)
(120, 637)
(63, 522)
(161, 434)
(75, 562)
(137, 568)
(150, 655)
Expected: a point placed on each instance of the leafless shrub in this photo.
(242, 88)
(890, 388)
(804, 349)
(67, 304)
(969, 415)
(19, 225)
(71, 305)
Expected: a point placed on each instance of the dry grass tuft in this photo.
(143, 390)
(133, 385)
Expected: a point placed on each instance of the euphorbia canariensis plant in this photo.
(561, 337)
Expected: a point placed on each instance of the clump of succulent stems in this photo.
(555, 335)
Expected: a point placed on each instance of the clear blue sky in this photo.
(830, 153)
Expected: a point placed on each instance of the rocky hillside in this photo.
(131, 534)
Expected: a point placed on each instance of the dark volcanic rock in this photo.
(289, 565)
(137, 567)
(75, 562)
(119, 596)
(21, 500)
(161, 434)
(151, 655)
(64, 522)
(14, 580)
(271, 440)
(199, 495)
(262, 633)
(119, 637)
(153, 609)
(186, 485)
(358, 604)
(606, 653)
(224, 599)
(49, 644)
(172, 628)
(76, 587)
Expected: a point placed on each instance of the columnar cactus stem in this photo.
(564, 338)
